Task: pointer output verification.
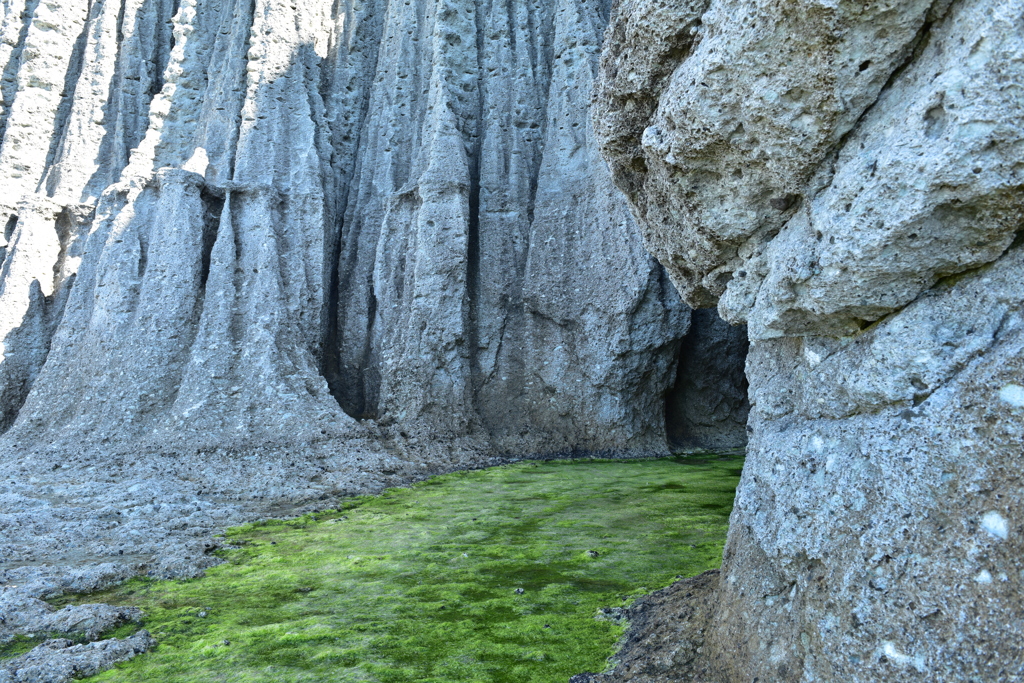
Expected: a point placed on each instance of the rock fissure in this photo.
(75, 66)
(11, 56)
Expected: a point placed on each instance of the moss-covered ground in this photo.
(489, 576)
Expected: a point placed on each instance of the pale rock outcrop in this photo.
(849, 179)
(220, 214)
(197, 314)
(233, 227)
(37, 616)
(45, 240)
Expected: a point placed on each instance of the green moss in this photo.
(19, 645)
(420, 584)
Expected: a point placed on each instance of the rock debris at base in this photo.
(59, 660)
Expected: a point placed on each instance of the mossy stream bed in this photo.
(504, 575)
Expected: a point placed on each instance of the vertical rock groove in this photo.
(292, 214)
(15, 23)
(67, 91)
(473, 238)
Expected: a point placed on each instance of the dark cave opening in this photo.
(707, 406)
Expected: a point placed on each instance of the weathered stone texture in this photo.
(220, 214)
(231, 227)
(848, 178)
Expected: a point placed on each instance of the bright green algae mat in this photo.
(493, 575)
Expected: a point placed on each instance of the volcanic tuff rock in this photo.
(219, 214)
(232, 227)
(848, 177)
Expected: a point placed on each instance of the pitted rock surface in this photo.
(848, 178)
(258, 256)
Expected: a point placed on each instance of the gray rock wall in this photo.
(231, 227)
(848, 178)
(235, 222)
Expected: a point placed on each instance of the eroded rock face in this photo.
(232, 223)
(233, 227)
(848, 178)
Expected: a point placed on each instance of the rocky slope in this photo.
(848, 178)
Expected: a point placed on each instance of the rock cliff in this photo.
(848, 179)
(246, 222)
(260, 254)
